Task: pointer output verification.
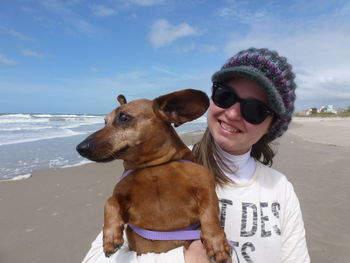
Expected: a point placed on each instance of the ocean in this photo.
(31, 142)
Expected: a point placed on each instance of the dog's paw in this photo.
(217, 248)
(112, 240)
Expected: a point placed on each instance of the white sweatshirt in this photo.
(261, 217)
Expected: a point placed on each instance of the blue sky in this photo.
(76, 56)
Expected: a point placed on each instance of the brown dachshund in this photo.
(161, 193)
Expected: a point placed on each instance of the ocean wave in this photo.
(21, 177)
(54, 115)
(42, 115)
(22, 120)
(21, 128)
(67, 133)
(17, 178)
(77, 125)
(78, 120)
(16, 115)
(200, 120)
(82, 162)
(15, 118)
(26, 128)
(63, 115)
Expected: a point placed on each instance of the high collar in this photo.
(243, 166)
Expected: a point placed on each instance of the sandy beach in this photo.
(54, 215)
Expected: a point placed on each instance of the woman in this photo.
(251, 104)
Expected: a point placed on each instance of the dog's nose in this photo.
(84, 147)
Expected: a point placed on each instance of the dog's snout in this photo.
(95, 150)
(84, 147)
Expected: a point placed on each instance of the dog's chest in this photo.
(158, 197)
(160, 190)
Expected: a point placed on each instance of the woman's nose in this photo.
(234, 112)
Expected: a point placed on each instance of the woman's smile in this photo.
(228, 128)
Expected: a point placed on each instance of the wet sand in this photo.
(54, 215)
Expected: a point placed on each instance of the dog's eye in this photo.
(123, 118)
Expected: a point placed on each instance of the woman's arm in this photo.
(196, 253)
(294, 248)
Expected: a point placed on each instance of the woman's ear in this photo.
(181, 106)
(272, 121)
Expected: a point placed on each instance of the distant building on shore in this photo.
(322, 109)
(308, 111)
(341, 110)
(327, 109)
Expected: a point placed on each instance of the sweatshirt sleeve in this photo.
(294, 248)
(124, 255)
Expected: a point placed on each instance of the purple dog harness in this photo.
(189, 233)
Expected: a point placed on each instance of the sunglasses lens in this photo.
(254, 112)
(223, 97)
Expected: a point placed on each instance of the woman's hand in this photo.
(196, 253)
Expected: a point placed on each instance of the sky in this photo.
(76, 56)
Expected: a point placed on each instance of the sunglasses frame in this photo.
(243, 102)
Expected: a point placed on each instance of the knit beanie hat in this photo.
(274, 74)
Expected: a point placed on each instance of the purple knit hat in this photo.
(274, 74)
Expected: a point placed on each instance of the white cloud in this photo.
(101, 10)
(32, 53)
(6, 60)
(240, 12)
(163, 33)
(318, 49)
(15, 33)
(94, 69)
(70, 21)
(319, 59)
(145, 2)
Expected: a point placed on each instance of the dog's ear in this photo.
(181, 106)
(121, 99)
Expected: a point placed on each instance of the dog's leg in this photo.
(113, 227)
(212, 235)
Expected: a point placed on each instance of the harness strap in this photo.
(125, 174)
(182, 234)
(188, 233)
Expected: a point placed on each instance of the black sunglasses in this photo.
(253, 111)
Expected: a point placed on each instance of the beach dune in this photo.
(54, 215)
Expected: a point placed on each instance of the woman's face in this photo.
(227, 126)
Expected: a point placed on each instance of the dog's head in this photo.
(140, 130)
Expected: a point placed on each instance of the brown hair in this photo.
(205, 152)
